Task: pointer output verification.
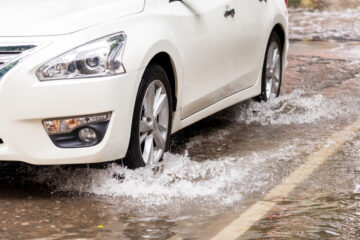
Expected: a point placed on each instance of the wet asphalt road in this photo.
(218, 167)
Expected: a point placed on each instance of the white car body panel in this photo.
(44, 17)
(158, 26)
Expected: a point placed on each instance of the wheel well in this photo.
(280, 31)
(164, 60)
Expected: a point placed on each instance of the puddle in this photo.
(325, 208)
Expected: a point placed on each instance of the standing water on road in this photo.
(325, 207)
(216, 167)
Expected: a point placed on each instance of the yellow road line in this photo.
(258, 210)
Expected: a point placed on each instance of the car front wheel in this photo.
(152, 119)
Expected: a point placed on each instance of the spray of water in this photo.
(297, 107)
(325, 25)
(176, 179)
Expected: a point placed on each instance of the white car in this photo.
(89, 81)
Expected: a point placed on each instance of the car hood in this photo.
(56, 17)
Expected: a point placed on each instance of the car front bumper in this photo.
(25, 102)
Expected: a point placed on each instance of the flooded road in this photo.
(220, 166)
(326, 206)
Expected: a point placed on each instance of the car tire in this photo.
(272, 69)
(152, 119)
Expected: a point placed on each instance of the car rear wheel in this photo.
(152, 119)
(272, 69)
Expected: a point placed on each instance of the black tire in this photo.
(274, 37)
(152, 73)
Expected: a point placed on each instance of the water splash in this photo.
(325, 25)
(177, 179)
(294, 108)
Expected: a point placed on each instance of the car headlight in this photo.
(102, 57)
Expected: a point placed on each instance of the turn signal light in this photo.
(67, 125)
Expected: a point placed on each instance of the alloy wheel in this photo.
(154, 123)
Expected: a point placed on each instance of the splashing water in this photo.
(294, 108)
(325, 25)
(176, 180)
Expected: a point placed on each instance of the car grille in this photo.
(10, 53)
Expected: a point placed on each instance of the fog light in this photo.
(87, 135)
(67, 125)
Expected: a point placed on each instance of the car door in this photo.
(206, 42)
(252, 19)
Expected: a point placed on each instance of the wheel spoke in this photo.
(142, 137)
(269, 84)
(276, 63)
(160, 104)
(159, 139)
(149, 101)
(275, 59)
(148, 154)
(274, 86)
(275, 79)
(152, 153)
(270, 58)
(158, 153)
(157, 95)
(161, 127)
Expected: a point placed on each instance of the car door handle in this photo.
(230, 12)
